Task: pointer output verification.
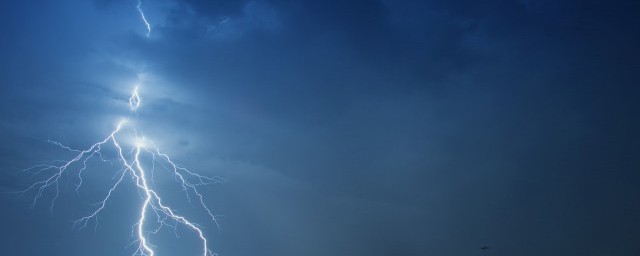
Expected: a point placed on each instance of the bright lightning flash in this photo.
(143, 17)
(154, 213)
(134, 100)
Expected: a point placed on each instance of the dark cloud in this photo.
(352, 128)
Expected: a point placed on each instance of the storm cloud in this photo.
(342, 127)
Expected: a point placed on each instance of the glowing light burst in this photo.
(134, 100)
(143, 17)
(154, 212)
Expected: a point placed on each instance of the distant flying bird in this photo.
(484, 248)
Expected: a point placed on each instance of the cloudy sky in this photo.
(379, 127)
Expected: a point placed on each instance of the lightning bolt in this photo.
(143, 17)
(134, 100)
(154, 213)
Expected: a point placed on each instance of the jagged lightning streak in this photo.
(134, 100)
(143, 17)
(154, 212)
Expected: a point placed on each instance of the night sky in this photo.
(353, 128)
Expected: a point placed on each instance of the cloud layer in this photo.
(345, 128)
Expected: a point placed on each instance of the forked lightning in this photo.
(154, 213)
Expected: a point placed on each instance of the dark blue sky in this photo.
(342, 127)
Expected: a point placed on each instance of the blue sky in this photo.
(342, 127)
